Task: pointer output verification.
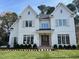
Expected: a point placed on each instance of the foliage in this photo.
(60, 46)
(76, 3)
(7, 20)
(55, 46)
(46, 9)
(29, 46)
(69, 46)
(72, 7)
(34, 46)
(74, 47)
(17, 46)
(76, 18)
(50, 9)
(42, 8)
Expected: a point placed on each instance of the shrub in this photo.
(34, 46)
(69, 47)
(16, 46)
(65, 47)
(55, 46)
(1, 43)
(26, 46)
(29, 46)
(21, 46)
(78, 46)
(8, 46)
(60, 47)
(73, 46)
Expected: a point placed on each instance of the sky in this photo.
(18, 5)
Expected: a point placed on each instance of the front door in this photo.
(45, 40)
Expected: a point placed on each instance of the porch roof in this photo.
(45, 30)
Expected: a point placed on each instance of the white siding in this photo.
(20, 30)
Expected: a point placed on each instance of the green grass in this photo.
(58, 54)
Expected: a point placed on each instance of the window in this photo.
(61, 22)
(28, 24)
(64, 22)
(63, 39)
(28, 39)
(59, 39)
(67, 39)
(44, 25)
(28, 12)
(15, 40)
(32, 39)
(61, 11)
(57, 23)
(24, 39)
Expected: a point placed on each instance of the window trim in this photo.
(60, 22)
(28, 39)
(28, 23)
(65, 39)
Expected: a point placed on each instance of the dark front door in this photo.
(45, 40)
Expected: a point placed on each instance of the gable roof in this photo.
(29, 7)
(61, 4)
(21, 13)
(46, 16)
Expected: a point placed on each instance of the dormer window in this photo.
(28, 12)
(61, 11)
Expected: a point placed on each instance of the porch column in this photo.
(36, 39)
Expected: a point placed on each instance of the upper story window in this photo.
(44, 25)
(28, 12)
(28, 24)
(61, 22)
(64, 22)
(61, 11)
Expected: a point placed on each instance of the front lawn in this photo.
(58, 54)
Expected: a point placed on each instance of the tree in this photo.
(50, 9)
(7, 20)
(76, 19)
(42, 8)
(72, 7)
(76, 3)
(46, 9)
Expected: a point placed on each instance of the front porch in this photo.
(45, 41)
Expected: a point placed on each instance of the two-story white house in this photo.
(44, 30)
